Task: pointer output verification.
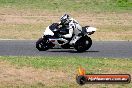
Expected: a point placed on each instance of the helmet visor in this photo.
(63, 21)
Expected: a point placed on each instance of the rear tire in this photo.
(83, 44)
(42, 45)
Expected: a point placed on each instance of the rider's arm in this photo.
(69, 35)
(71, 30)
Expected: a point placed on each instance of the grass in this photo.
(69, 5)
(64, 62)
(30, 25)
(26, 19)
(68, 66)
(20, 31)
(34, 31)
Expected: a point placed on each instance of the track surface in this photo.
(117, 49)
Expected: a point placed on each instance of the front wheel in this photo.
(83, 44)
(42, 45)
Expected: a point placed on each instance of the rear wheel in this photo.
(42, 44)
(83, 44)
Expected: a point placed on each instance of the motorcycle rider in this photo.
(72, 26)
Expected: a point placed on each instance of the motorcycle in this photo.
(51, 38)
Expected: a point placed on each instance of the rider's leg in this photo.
(74, 39)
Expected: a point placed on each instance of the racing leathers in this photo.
(74, 30)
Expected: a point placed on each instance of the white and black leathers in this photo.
(74, 29)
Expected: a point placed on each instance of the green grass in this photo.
(69, 5)
(69, 65)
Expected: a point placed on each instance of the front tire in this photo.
(42, 45)
(83, 44)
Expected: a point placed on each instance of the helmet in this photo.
(65, 19)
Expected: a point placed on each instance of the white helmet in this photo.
(65, 19)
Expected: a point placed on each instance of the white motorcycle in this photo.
(51, 38)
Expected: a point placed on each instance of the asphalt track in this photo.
(116, 49)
